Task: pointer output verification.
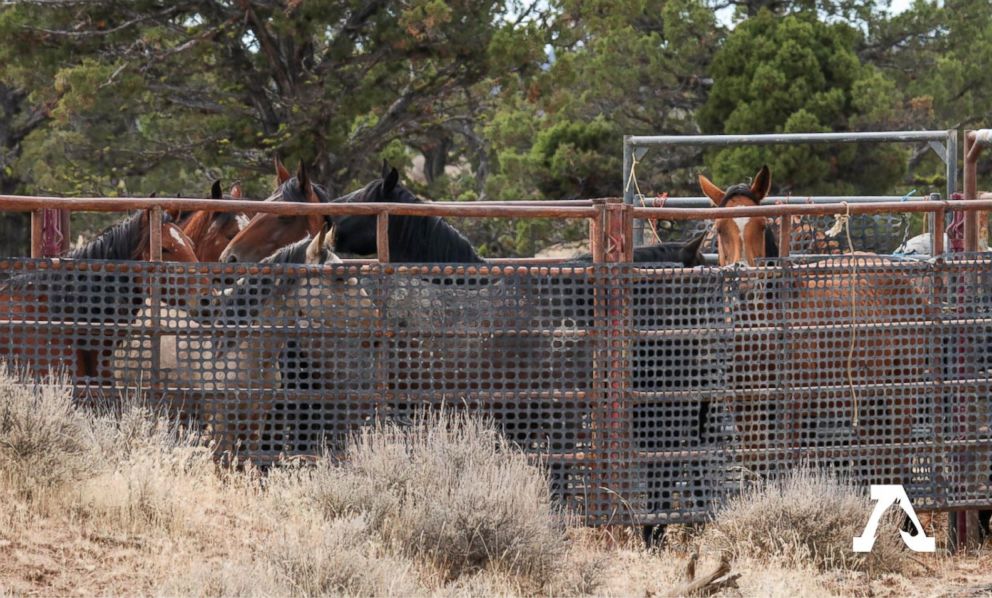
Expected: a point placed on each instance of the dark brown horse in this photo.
(803, 336)
(54, 317)
(267, 233)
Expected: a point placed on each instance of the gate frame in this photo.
(943, 143)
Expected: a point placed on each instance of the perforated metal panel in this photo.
(650, 391)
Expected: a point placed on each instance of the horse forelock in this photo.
(291, 191)
(738, 190)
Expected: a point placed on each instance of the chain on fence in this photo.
(651, 392)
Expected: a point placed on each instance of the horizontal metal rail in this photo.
(17, 203)
(702, 201)
(789, 138)
(11, 203)
(810, 209)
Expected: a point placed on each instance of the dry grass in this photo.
(807, 518)
(44, 441)
(449, 491)
(126, 502)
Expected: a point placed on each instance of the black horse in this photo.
(431, 239)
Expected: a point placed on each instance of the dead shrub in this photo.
(154, 474)
(337, 558)
(806, 519)
(450, 491)
(44, 440)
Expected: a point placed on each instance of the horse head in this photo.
(742, 240)
(356, 234)
(266, 233)
(212, 232)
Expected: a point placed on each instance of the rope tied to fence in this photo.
(842, 222)
(632, 179)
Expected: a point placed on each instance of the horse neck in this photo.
(661, 253)
(196, 226)
(428, 239)
(123, 241)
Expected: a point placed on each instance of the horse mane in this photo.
(426, 239)
(121, 241)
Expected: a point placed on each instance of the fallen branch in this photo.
(710, 583)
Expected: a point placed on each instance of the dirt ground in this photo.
(63, 556)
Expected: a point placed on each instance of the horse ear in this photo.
(390, 181)
(330, 237)
(215, 190)
(710, 190)
(692, 247)
(306, 186)
(282, 175)
(762, 183)
(315, 247)
(236, 191)
(385, 169)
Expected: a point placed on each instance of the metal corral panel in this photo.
(651, 392)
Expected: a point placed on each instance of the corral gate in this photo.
(651, 392)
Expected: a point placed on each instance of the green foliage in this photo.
(799, 74)
(502, 99)
(142, 95)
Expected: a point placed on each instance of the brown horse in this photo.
(266, 233)
(54, 316)
(211, 232)
(796, 336)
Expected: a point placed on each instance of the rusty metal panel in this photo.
(651, 392)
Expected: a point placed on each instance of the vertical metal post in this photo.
(155, 279)
(382, 237)
(155, 234)
(628, 189)
(628, 234)
(383, 349)
(951, 163)
(970, 191)
(617, 350)
(37, 238)
(937, 234)
(597, 227)
(65, 217)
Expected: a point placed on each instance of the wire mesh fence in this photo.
(651, 392)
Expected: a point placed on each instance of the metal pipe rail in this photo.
(17, 203)
(810, 209)
(944, 143)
